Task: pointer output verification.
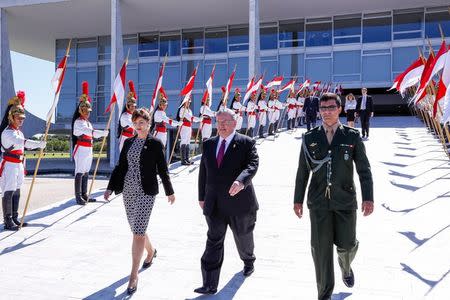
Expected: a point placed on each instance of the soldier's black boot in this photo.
(15, 208)
(250, 132)
(260, 132)
(271, 129)
(189, 162)
(184, 154)
(84, 184)
(275, 126)
(7, 211)
(79, 199)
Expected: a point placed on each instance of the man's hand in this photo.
(235, 188)
(171, 198)
(367, 208)
(106, 195)
(201, 203)
(298, 209)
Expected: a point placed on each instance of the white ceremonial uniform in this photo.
(161, 121)
(275, 106)
(207, 115)
(251, 114)
(82, 153)
(262, 109)
(239, 111)
(300, 103)
(12, 165)
(186, 126)
(292, 109)
(127, 128)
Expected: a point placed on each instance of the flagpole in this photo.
(104, 139)
(41, 151)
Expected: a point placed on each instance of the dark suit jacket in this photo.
(152, 162)
(239, 163)
(369, 104)
(311, 106)
(346, 148)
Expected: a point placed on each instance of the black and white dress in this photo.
(138, 205)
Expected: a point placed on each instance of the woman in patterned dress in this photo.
(141, 158)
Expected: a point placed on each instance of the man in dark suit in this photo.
(364, 109)
(311, 110)
(227, 197)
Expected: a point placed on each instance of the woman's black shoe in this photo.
(145, 265)
(131, 290)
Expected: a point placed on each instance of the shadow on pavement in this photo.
(227, 292)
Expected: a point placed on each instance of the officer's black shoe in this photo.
(349, 280)
(248, 270)
(206, 290)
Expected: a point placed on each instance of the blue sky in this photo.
(33, 76)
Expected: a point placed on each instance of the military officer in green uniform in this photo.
(328, 152)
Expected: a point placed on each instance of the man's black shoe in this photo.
(248, 270)
(206, 290)
(349, 280)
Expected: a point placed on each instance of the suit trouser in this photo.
(330, 227)
(365, 122)
(212, 259)
(311, 121)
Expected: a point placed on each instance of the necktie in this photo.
(221, 153)
(330, 134)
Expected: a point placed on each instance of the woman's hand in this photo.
(171, 198)
(106, 195)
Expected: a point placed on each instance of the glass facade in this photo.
(366, 49)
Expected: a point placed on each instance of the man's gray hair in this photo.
(226, 111)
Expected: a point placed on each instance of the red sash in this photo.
(128, 132)
(13, 156)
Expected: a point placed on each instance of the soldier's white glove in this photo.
(100, 133)
(175, 123)
(105, 133)
(42, 144)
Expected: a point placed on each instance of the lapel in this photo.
(337, 136)
(213, 150)
(322, 140)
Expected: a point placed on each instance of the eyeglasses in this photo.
(328, 108)
(226, 122)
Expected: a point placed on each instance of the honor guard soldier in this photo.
(207, 115)
(251, 114)
(299, 103)
(262, 111)
(185, 115)
(292, 109)
(125, 128)
(12, 170)
(275, 106)
(238, 109)
(82, 139)
(160, 119)
(328, 154)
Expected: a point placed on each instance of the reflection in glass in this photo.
(291, 65)
(432, 21)
(318, 69)
(148, 45)
(192, 42)
(87, 50)
(347, 62)
(376, 68)
(292, 33)
(268, 38)
(238, 39)
(318, 34)
(215, 42)
(104, 48)
(172, 76)
(130, 44)
(170, 45)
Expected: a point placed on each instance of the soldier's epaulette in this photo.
(351, 130)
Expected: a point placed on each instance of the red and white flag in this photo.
(433, 65)
(414, 70)
(443, 93)
(316, 85)
(119, 88)
(57, 81)
(252, 88)
(229, 85)
(290, 85)
(276, 81)
(158, 86)
(209, 87)
(187, 90)
(303, 86)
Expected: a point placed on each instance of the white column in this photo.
(116, 62)
(6, 82)
(254, 63)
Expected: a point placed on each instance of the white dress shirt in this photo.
(227, 143)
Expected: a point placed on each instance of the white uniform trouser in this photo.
(263, 118)
(162, 136)
(273, 116)
(83, 159)
(251, 121)
(12, 177)
(291, 113)
(121, 141)
(206, 131)
(239, 123)
(186, 132)
(300, 112)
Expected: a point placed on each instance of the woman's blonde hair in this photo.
(350, 96)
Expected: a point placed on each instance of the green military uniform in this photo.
(332, 197)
